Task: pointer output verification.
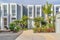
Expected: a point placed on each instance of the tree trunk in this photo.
(47, 18)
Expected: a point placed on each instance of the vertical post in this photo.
(2, 26)
(40, 14)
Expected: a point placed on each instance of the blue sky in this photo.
(30, 1)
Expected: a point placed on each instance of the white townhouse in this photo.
(13, 11)
(9, 13)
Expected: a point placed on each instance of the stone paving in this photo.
(29, 35)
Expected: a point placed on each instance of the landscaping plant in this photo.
(37, 22)
(12, 26)
(17, 28)
(46, 25)
(47, 10)
(23, 22)
(17, 25)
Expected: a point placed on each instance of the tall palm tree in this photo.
(47, 10)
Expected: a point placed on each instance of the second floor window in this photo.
(13, 10)
(5, 10)
(38, 11)
(30, 11)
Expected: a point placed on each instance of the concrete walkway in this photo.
(29, 35)
(4, 35)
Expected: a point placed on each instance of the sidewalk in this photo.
(29, 35)
(5, 35)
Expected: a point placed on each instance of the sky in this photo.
(30, 1)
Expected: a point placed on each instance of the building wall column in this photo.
(2, 26)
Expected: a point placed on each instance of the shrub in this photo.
(25, 29)
(36, 29)
(50, 28)
(39, 29)
(12, 26)
(17, 28)
(43, 22)
(37, 24)
(43, 29)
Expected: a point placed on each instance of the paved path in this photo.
(29, 35)
(9, 35)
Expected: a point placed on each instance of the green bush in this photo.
(37, 24)
(34, 29)
(43, 29)
(37, 29)
(12, 26)
(17, 28)
(50, 25)
(43, 22)
(25, 29)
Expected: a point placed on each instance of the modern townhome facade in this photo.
(9, 13)
(13, 11)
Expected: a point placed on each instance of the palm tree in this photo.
(47, 10)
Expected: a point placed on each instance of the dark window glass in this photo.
(5, 10)
(38, 11)
(13, 10)
(30, 11)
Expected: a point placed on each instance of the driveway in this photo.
(29, 35)
(9, 35)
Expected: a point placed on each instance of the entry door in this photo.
(5, 23)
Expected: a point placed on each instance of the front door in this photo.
(5, 23)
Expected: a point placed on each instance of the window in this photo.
(57, 10)
(30, 11)
(13, 19)
(5, 10)
(38, 11)
(13, 10)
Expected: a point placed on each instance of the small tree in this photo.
(23, 21)
(47, 10)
